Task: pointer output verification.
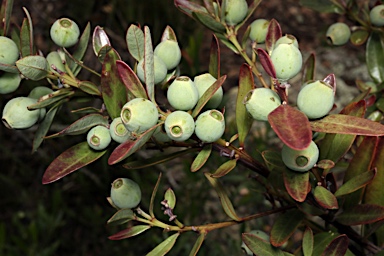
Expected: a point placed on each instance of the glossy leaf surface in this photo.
(214, 58)
(201, 158)
(284, 226)
(165, 246)
(121, 216)
(225, 168)
(325, 198)
(130, 80)
(374, 57)
(130, 232)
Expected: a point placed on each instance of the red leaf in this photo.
(361, 214)
(338, 246)
(274, 33)
(130, 80)
(266, 62)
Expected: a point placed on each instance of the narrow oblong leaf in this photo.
(259, 246)
(52, 98)
(135, 42)
(224, 199)
(292, 126)
(149, 68)
(6, 14)
(152, 202)
(188, 7)
(307, 244)
(196, 247)
(121, 216)
(266, 62)
(356, 183)
(225, 168)
(214, 58)
(71, 160)
(130, 232)
(309, 68)
(273, 34)
(325, 198)
(208, 21)
(361, 214)
(201, 158)
(325, 6)
(374, 57)
(26, 35)
(81, 48)
(165, 246)
(130, 80)
(33, 67)
(90, 88)
(284, 226)
(338, 246)
(297, 184)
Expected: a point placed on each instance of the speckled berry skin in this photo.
(125, 193)
(235, 11)
(16, 114)
(182, 94)
(287, 39)
(260, 102)
(9, 53)
(169, 52)
(138, 115)
(338, 33)
(203, 82)
(316, 99)
(159, 67)
(99, 137)
(300, 160)
(179, 125)
(210, 126)
(376, 15)
(65, 32)
(287, 60)
(9, 82)
(258, 30)
(118, 131)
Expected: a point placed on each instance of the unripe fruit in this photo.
(169, 52)
(9, 82)
(159, 67)
(376, 15)
(125, 193)
(138, 115)
(300, 160)
(99, 137)
(9, 53)
(54, 58)
(260, 102)
(210, 126)
(16, 114)
(203, 82)
(287, 60)
(260, 234)
(259, 29)
(316, 99)
(235, 11)
(287, 39)
(118, 131)
(338, 33)
(65, 32)
(179, 125)
(39, 91)
(182, 94)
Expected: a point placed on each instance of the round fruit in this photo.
(260, 234)
(9, 82)
(9, 53)
(203, 82)
(287, 39)
(179, 125)
(210, 126)
(159, 67)
(125, 193)
(169, 52)
(376, 15)
(54, 58)
(39, 91)
(300, 160)
(182, 94)
(235, 11)
(338, 33)
(16, 115)
(118, 131)
(259, 29)
(260, 102)
(65, 32)
(316, 99)
(99, 137)
(287, 60)
(138, 115)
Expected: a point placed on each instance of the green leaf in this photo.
(309, 68)
(81, 48)
(113, 90)
(196, 247)
(208, 21)
(297, 184)
(356, 183)
(225, 168)
(99, 40)
(307, 244)
(346, 124)
(130, 232)
(326, 6)
(359, 37)
(130, 80)
(171, 198)
(52, 98)
(121, 216)
(188, 7)
(26, 35)
(149, 69)
(201, 158)
(6, 13)
(71, 160)
(82, 125)
(135, 42)
(361, 214)
(129, 147)
(165, 246)
(292, 126)
(33, 67)
(374, 57)
(259, 246)
(214, 58)
(90, 88)
(338, 246)
(243, 118)
(325, 198)
(152, 202)
(285, 225)
(224, 199)
(322, 240)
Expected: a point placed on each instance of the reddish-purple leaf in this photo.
(354, 184)
(214, 58)
(274, 33)
(338, 246)
(361, 214)
(266, 62)
(285, 225)
(325, 198)
(292, 126)
(168, 34)
(309, 68)
(331, 80)
(129, 232)
(130, 80)
(188, 7)
(297, 184)
(307, 243)
(71, 160)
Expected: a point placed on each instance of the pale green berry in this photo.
(169, 52)
(182, 94)
(235, 11)
(287, 60)
(287, 39)
(338, 33)
(316, 99)
(260, 102)
(300, 160)
(376, 15)
(259, 30)
(39, 91)
(210, 126)
(125, 193)
(9, 82)
(16, 114)
(179, 125)
(65, 32)
(54, 58)
(118, 131)
(9, 53)
(99, 137)
(260, 234)
(160, 70)
(203, 82)
(138, 115)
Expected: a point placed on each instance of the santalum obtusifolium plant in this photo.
(299, 178)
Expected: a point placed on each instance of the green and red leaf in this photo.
(165, 246)
(225, 168)
(361, 214)
(259, 246)
(201, 158)
(130, 80)
(338, 246)
(130, 232)
(284, 226)
(325, 198)
(297, 184)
